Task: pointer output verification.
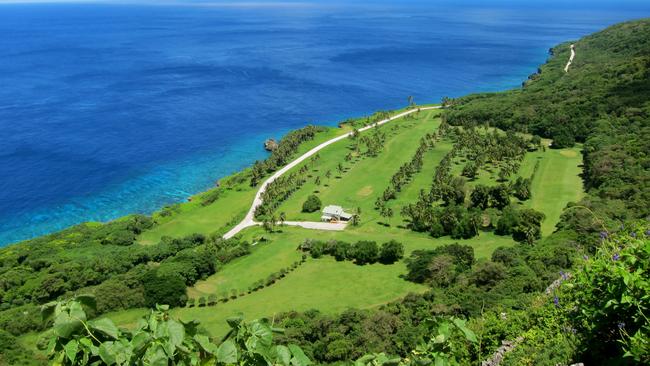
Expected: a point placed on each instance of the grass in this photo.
(325, 284)
(364, 178)
(232, 205)
(556, 182)
(322, 284)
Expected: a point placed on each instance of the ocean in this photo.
(112, 109)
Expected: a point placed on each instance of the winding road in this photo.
(573, 54)
(249, 220)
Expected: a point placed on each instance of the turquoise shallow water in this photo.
(107, 110)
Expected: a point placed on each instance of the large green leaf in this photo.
(155, 356)
(47, 311)
(105, 326)
(469, 335)
(89, 345)
(205, 344)
(176, 332)
(190, 327)
(299, 357)
(107, 353)
(65, 325)
(227, 352)
(234, 321)
(261, 337)
(283, 355)
(140, 341)
(123, 351)
(76, 311)
(71, 348)
(87, 300)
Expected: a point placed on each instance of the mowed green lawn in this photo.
(322, 284)
(556, 182)
(231, 205)
(365, 178)
(331, 286)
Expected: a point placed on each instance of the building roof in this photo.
(333, 210)
(346, 216)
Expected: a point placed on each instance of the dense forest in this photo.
(581, 294)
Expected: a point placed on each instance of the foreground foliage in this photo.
(159, 340)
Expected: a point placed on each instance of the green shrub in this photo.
(166, 289)
(391, 252)
(366, 252)
(312, 204)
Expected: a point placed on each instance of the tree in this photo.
(342, 251)
(499, 196)
(504, 173)
(441, 271)
(488, 274)
(563, 138)
(509, 219)
(268, 223)
(529, 226)
(212, 299)
(163, 289)
(356, 217)
(312, 204)
(391, 252)
(470, 170)
(521, 188)
(480, 197)
(387, 213)
(366, 252)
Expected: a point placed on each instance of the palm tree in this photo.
(272, 221)
(356, 218)
(530, 233)
(384, 212)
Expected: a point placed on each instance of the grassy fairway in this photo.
(365, 178)
(325, 284)
(322, 284)
(231, 206)
(556, 183)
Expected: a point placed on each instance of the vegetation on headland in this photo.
(596, 262)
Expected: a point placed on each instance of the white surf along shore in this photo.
(249, 220)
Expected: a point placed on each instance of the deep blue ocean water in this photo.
(107, 110)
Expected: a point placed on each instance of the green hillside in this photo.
(462, 217)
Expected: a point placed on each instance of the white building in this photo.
(335, 213)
